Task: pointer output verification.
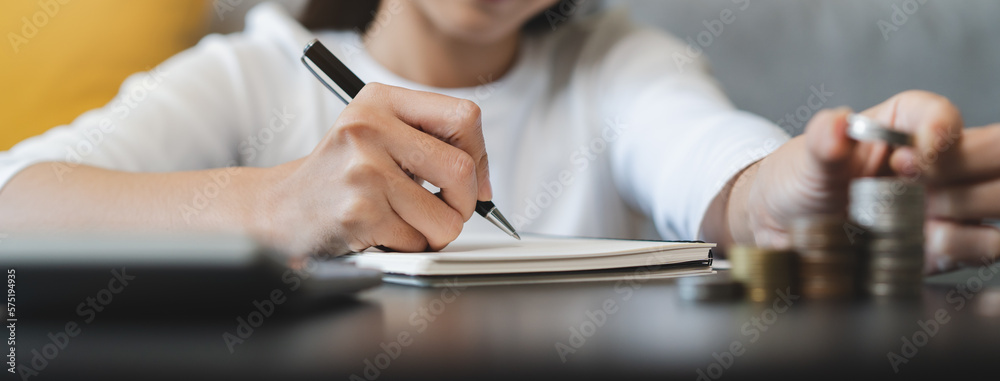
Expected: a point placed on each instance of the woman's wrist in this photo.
(738, 214)
(257, 209)
(726, 220)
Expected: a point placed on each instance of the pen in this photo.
(341, 81)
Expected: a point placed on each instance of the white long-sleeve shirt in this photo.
(595, 131)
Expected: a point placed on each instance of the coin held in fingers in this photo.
(867, 129)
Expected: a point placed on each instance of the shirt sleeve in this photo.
(184, 114)
(682, 140)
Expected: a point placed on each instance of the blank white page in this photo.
(504, 248)
(472, 254)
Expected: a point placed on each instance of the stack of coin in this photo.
(762, 271)
(891, 211)
(827, 256)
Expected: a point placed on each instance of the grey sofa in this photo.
(863, 51)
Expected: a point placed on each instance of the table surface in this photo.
(636, 329)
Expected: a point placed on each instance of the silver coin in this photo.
(896, 277)
(888, 192)
(900, 207)
(894, 184)
(914, 204)
(872, 216)
(910, 220)
(881, 259)
(915, 264)
(892, 228)
(888, 195)
(900, 223)
(867, 129)
(862, 207)
(893, 246)
(894, 290)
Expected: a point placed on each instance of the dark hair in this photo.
(358, 15)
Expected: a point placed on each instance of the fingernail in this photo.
(945, 263)
(936, 242)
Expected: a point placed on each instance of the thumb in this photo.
(836, 154)
(830, 149)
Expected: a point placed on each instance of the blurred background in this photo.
(64, 57)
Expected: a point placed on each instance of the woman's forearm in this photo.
(56, 196)
(350, 193)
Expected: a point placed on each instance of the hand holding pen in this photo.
(363, 165)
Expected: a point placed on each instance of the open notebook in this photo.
(494, 254)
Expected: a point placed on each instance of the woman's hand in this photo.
(963, 177)
(811, 174)
(355, 189)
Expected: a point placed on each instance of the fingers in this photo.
(455, 121)
(381, 143)
(936, 125)
(432, 217)
(951, 244)
(976, 158)
(447, 167)
(826, 136)
(838, 154)
(928, 116)
(396, 234)
(965, 201)
(368, 220)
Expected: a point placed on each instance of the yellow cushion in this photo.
(63, 57)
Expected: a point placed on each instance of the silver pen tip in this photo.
(498, 219)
